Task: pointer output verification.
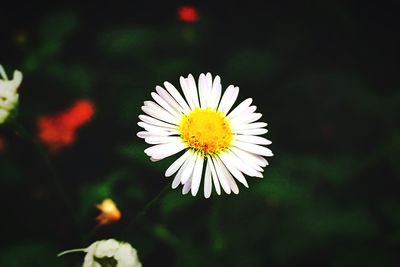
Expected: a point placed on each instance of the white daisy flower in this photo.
(219, 144)
(108, 253)
(8, 93)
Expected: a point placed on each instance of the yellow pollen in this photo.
(206, 130)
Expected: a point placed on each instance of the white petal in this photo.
(205, 86)
(197, 172)
(250, 161)
(156, 129)
(145, 134)
(252, 139)
(232, 184)
(250, 126)
(231, 100)
(178, 176)
(246, 118)
(186, 92)
(252, 148)
(177, 96)
(215, 94)
(243, 113)
(209, 80)
(232, 169)
(187, 173)
(240, 108)
(169, 99)
(228, 92)
(251, 158)
(242, 164)
(214, 175)
(159, 113)
(221, 175)
(202, 90)
(193, 90)
(153, 140)
(161, 133)
(151, 120)
(164, 150)
(228, 99)
(154, 160)
(186, 187)
(258, 131)
(207, 181)
(177, 164)
(177, 180)
(164, 104)
(208, 88)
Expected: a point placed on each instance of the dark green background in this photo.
(323, 73)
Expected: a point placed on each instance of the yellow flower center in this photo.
(206, 130)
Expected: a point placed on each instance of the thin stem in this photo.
(136, 218)
(148, 206)
(19, 128)
(71, 251)
(90, 234)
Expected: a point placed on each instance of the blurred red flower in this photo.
(57, 131)
(188, 13)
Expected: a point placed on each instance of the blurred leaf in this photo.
(338, 171)
(173, 68)
(130, 41)
(136, 153)
(30, 253)
(129, 106)
(175, 202)
(263, 65)
(54, 30)
(391, 212)
(57, 26)
(322, 221)
(163, 233)
(191, 255)
(282, 191)
(362, 256)
(76, 78)
(9, 172)
(95, 192)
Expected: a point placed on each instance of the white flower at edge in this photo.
(219, 144)
(108, 252)
(8, 93)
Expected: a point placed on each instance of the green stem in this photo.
(20, 129)
(90, 234)
(148, 206)
(136, 218)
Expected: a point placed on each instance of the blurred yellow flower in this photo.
(109, 212)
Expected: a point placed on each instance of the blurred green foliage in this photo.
(330, 196)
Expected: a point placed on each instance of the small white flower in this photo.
(108, 253)
(8, 93)
(203, 126)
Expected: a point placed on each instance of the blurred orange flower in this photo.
(188, 13)
(109, 212)
(57, 131)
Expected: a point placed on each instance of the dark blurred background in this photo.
(323, 73)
